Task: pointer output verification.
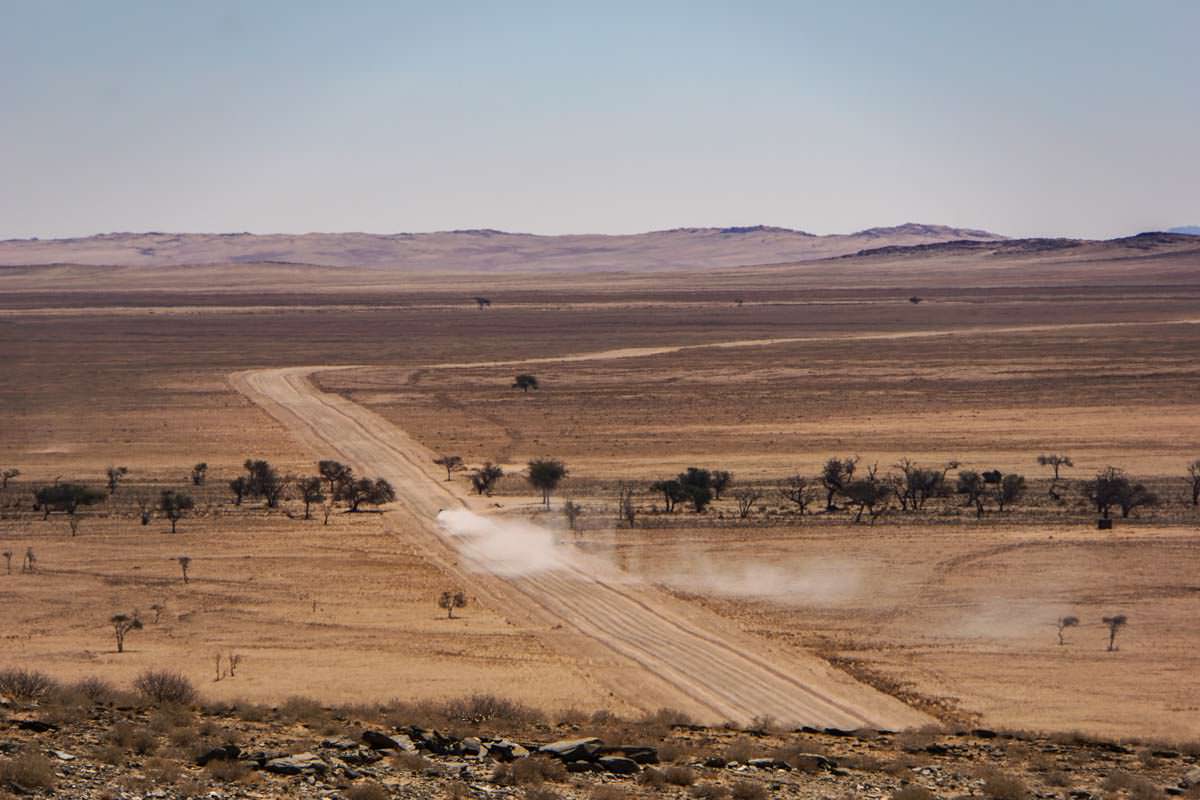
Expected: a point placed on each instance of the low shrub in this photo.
(748, 790)
(480, 708)
(607, 791)
(709, 791)
(302, 709)
(541, 793)
(652, 778)
(531, 771)
(912, 792)
(27, 771)
(25, 685)
(679, 776)
(367, 791)
(1000, 786)
(410, 762)
(163, 687)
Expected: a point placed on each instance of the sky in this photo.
(1024, 118)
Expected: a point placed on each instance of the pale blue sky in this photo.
(1027, 118)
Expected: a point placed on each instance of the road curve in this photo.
(682, 655)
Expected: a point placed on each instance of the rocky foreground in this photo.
(73, 745)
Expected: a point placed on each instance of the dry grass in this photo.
(27, 771)
(367, 791)
(165, 687)
(678, 775)
(999, 785)
(747, 790)
(24, 685)
(531, 771)
(913, 792)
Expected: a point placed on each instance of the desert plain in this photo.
(982, 356)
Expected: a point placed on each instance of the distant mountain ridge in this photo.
(1186, 230)
(480, 249)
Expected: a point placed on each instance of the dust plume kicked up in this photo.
(510, 548)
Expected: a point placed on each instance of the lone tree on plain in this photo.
(174, 505)
(1194, 475)
(376, 492)
(545, 474)
(310, 489)
(66, 497)
(482, 302)
(7, 475)
(240, 486)
(746, 497)
(122, 625)
(336, 473)
(452, 464)
(1063, 623)
(835, 476)
(184, 563)
(1114, 623)
(626, 509)
(114, 476)
(199, 473)
(697, 485)
(720, 480)
(450, 601)
(1055, 461)
(29, 563)
(8, 554)
(797, 490)
(525, 382)
(483, 480)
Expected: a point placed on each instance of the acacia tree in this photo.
(719, 480)
(916, 484)
(572, 511)
(450, 601)
(672, 491)
(1055, 461)
(240, 486)
(697, 485)
(336, 473)
(1112, 488)
(114, 476)
(66, 497)
(869, 494)
(626, 510)
(7, 554)
(199, 473)
(310, 489)
(1114, 623)
(174, 505)
(122, 625)
(451, 463)
(746, 497)
(1194, 475)
(1010, 489)
(796, 489)
(7, 475)
(972, 485)
(264, 481)
(545, 474)
(1064, 623)
(835, 475)
(483, 480)
(184, 563)
(482, 302)
(364, 490)
(525, 382)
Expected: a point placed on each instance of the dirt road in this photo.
(680, 655)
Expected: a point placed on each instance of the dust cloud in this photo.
(509, 548)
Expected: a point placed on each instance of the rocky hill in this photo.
(478, 250)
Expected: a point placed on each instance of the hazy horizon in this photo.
(1026, 119)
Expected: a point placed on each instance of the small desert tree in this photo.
(336, 473)
(174, 504)
(199, 473)
(184, 563)
(869, 494)
(452, 464)
(1194, 476)
(482, 302)
(672, 491)
(746, 497)
(835, 476)
(1055, 461)
(1106, 490)
(1114, 623)
(545, 474)
(114, 476)
(1010, 489)
(7, 554)
(917, 484)
(974, 488)
(29, 563)
(362, 491)
(240, 486)
(525, 382)
(697, 486)
(719, 481)
(122, 625)
(797, 490)
(66, 497)
(484, 479)
(7, 475)
(450, 601)
(265, 481)
(310, 490)
(572, 511)
(1063, 623)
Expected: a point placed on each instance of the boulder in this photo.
(769, 763)
(378, 740)
(1190, 778)
(434, 741)
(297, 764)
(504, 750)
(715, 762)
(810, 762)
(571, 750)
(470, 746)
(36, 725)
(228, 752)
(618, 765)
(642, 754)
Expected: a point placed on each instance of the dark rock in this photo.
(1175, 791)
(360, 756)
(470, 746)
(1165, 753)
(937, 749)
(570, 750)
(36, 725)
(715, 762)
(297, 764)
(810, 762)
(769, 763)
(983, 733)
(504, 750)
(228, 752)
(582, 766)
(434, 741)
(618, 765)
(383, 741)
(837, 732)
(339, 744)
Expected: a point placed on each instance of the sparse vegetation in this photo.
(199, 474)
(525, 382)
(451, 464)
(448, 601)
(835, 476)
(164, 687)
(545, 474)
(174, 504)
(8, 474)
(484, 479)
(364, 491)
(122, 625)
(1064, 623)
(310, 489)
(1115, 623)
(113, 477)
